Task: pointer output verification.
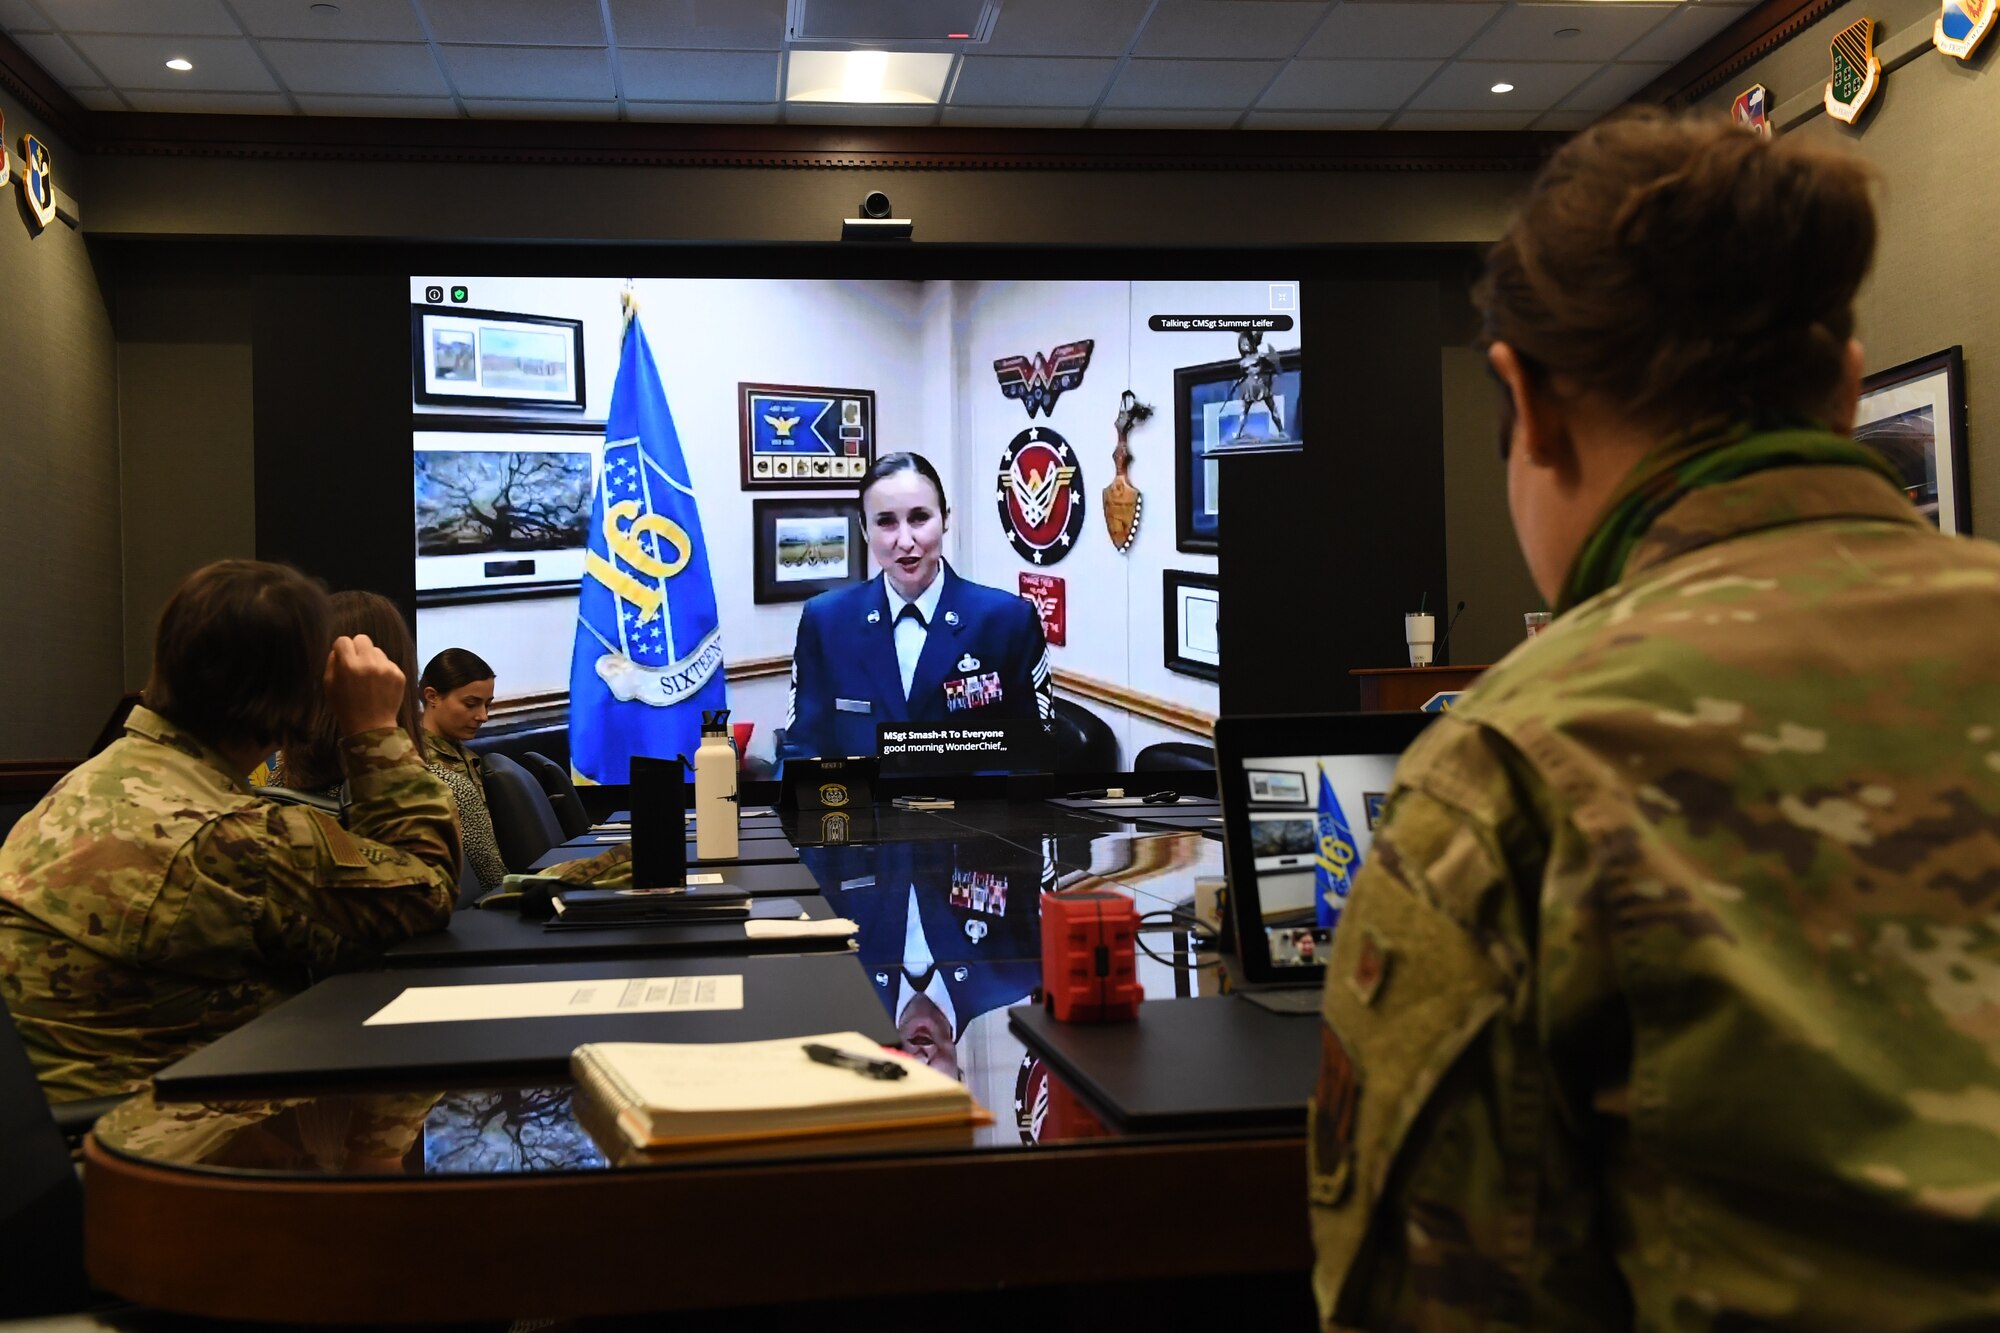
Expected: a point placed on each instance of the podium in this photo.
(1404, 689)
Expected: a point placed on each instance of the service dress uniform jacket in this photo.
(151, 902)
(1669, 996)
(984, 660)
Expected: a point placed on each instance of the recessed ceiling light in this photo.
(866, 76)
(1503, 87)
(180, 64)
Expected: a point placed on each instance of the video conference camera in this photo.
(875, 224)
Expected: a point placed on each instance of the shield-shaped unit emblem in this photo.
(1750, 107)
(1857, 74)
(1962, 25)
(38, 180)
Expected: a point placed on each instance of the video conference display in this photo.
(652, 525)
(1312, 826)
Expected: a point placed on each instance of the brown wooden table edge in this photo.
(631, 1241)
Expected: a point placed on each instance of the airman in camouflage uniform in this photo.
(151, 902)
(1669, 996)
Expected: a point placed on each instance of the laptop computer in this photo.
(1289, 785)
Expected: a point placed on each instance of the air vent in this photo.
(904, 24)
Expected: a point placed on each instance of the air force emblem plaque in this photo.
(5, 174)
(1857, 74)
(38, 181)
(1751, 109)
(1038, 383)
(1041, 495)
(1963, 25)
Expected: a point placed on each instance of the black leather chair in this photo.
(41, 1201)
(1083, 742)
(516, 742)
(1174, 757)
(524, 822)
(562, 793)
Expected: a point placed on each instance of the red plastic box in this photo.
(1088, 957)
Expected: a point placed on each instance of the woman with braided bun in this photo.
(1669, 997)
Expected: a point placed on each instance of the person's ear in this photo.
(1846, 404)
(1539, 428)
(430, 697)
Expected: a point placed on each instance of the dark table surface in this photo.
(947, 909)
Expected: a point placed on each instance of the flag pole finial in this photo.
(628, 302)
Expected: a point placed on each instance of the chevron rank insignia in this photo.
(1857, 74)
(1963, 25)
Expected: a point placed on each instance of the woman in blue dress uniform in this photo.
(916, 643)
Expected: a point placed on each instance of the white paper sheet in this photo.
(836, 928)
(557, 999)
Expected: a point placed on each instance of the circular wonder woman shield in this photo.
(1041, 495)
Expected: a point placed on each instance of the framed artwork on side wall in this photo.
(1248, 406)
(1191, 620)
(1914, 416)
(492, 359)
(804, 548)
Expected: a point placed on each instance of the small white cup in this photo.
(1420, 630)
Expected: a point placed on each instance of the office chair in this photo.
(1174, 757)
(41, 1200)
(562, 793)
(524, 822)
(1083, 741)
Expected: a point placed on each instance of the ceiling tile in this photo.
(1684, 31)
(1110, 119)
(59, 58)
(1315, 120)
(354, 21)
(18, 16)
(380, 68)
(1025, 81)
(1065, 27)
(194, 18)
(1247, 29)
(1602, 30)
(1190, 84)
(1463, 120)
(221, 64)
(744, 25)
(1347, 85)
(1413, 29)
(704, 76)
(705, 113)
(427, 108)
(849, 113)
(100, 99)
(518, 109)
(210, 103)
(1466, 85)
(1566, 121)
(1612, 86)
(516, 22)
(511, 71)
(1014, 117)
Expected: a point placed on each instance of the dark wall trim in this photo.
(1733, 50)
(42, 96)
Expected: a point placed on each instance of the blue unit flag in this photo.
(648, 656)
(1337, 860)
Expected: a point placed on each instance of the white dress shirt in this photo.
(910, 631)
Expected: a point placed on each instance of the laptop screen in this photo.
(1301, 797)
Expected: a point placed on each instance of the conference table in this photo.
(437, 1196)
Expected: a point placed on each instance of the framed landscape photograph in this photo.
(502, 511)
(806, 547)
(1914, 416)
(488, 358)
(1212, 421)
(796, 437)
(1191, 620)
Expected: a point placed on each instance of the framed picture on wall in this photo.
(1247, 406)
(488, 358)
(1193, 643)
(806, 547)
(796, 437)
(1914, 416)
(502, 508)
(1270, 786)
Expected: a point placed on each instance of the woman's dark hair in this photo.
(454, 669)
(1684, 268)
(888, 465)
(239, 652)
(311, 760)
